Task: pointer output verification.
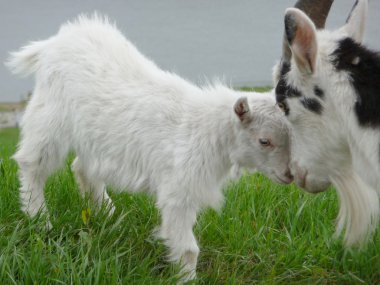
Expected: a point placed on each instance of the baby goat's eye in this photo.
(264, 142)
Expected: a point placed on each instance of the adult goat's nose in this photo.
(289, 175)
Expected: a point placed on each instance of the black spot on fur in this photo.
(283, 90)
(364, 77)
(319, 92)
(312, 105)
(285, 68)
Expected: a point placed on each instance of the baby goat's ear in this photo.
(302, 39)
(355, 23)
(241, 109)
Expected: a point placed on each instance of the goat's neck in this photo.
(212, 121)
(364, 148)
(363, 141)
(365, 157)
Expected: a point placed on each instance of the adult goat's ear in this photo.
(242, 110)
(317, 11)
(301, 37)
(355, 23)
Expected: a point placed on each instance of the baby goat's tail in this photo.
(27, 60)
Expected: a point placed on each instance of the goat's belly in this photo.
(122, 177)
(129, 182)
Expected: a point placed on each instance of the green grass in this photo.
(265, 234)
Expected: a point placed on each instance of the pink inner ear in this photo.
(242, 112)
(304, 45)
(239, 109)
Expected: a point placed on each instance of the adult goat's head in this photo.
(315, 90)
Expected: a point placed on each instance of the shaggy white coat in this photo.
(136, 127)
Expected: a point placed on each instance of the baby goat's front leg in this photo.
(177, 232)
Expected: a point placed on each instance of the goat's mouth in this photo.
(307, 181)
(283, 179)
(315, 190)
(310, 185)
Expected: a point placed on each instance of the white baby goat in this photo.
(330, 91)
(135, 126)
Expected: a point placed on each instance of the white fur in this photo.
(136, 127)
(333, 147)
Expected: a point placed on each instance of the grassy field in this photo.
(265, 234)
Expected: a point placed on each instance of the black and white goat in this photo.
(328, 85)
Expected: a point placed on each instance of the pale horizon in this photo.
(237, 42)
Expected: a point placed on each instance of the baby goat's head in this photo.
(262, 137)
(315, 90)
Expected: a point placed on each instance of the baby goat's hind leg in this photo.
(37, 157)
(96, 189)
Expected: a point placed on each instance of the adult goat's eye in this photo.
(264, 142)
(282, 106)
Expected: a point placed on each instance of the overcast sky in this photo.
(238, 41)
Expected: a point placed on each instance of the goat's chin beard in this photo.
(359, 208)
